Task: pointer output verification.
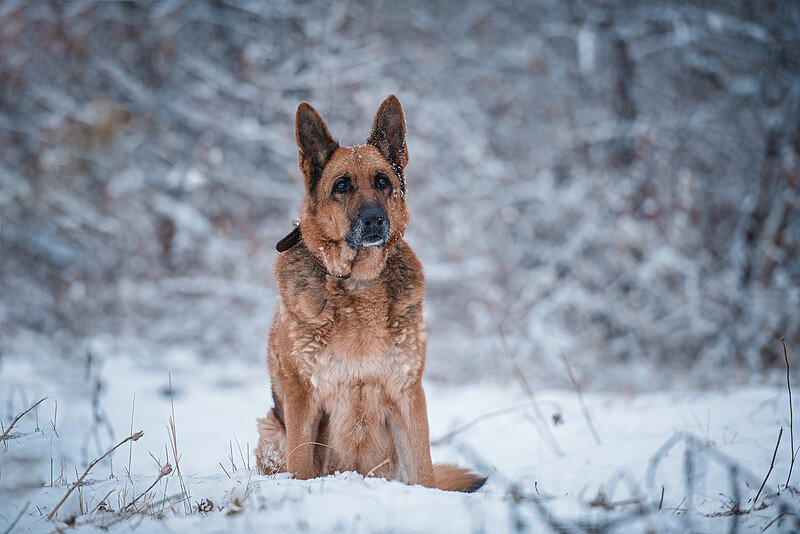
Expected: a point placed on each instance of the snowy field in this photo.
(616, 183)
(666, 461)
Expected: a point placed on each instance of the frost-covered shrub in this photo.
(617, 185)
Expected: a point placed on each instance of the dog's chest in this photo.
(362, 344)
(335, 379)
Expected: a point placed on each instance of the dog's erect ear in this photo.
(389, 133)
(314, 141)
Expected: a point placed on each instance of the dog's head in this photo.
(354, 211)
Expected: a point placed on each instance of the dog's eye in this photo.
(382, 181)
(342, 185)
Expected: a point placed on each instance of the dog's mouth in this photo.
(370, 229)
(371, 240)
(374, 241)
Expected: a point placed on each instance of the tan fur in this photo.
(347, 348)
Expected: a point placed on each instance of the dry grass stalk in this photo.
(224, 470)
(585, 411)
(542, 427)
(132, 437)
(372, 471)
(450, 435)
(245, 462)
(173, 435)
(167, 469)
(80, 495)
(771, 465)
(313, 443)
(791, 412)
(54, 422)
(19, 516)
(18, 417)
(102, 503)
(230, 456)
(130, 446)
(164, 501)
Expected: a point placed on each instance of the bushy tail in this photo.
(453, 478)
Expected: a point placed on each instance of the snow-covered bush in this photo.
(607, 183)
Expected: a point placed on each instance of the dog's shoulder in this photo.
(301, 284)
(295, 270)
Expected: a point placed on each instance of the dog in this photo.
(347, 345)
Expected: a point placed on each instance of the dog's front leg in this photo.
(301, 420)
(409, 423)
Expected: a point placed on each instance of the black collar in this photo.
(292, 239)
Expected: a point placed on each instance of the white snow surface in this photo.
(702, 448)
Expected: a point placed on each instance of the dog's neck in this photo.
(321, 265)
(339, 260)
(336, 258)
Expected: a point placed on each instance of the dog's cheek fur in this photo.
(324, 225)
(327, 219)
(398, 219)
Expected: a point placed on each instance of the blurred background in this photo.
(609, 184)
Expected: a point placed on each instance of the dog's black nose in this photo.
(370, 228)
(373, 218)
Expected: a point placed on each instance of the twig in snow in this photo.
(784, 510)
(19, 516)
(230, 455)
(17, 418)
(791, 413)
(223, 469)
(156, 459)
(567, 525)
(174, 444)
(372, 471)
(80, 496)
(167, 469)
(473, 422)
(102, 503)
(312, 443)
(245, 463)
(577, 388)
(543, 428)
(733, 474)
(54, 422)
(130, 447)
(771, 465)
(132, 437)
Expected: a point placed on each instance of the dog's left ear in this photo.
(389, 133)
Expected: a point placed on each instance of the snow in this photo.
(491, 428)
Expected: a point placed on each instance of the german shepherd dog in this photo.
(347, 345)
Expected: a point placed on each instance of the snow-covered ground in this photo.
(666, 461)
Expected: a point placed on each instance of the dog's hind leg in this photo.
(271, 450)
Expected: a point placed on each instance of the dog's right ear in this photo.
(315, 143)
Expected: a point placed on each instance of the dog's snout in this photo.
(373, 218)
(370, 228)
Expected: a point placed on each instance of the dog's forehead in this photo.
(359, 159)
